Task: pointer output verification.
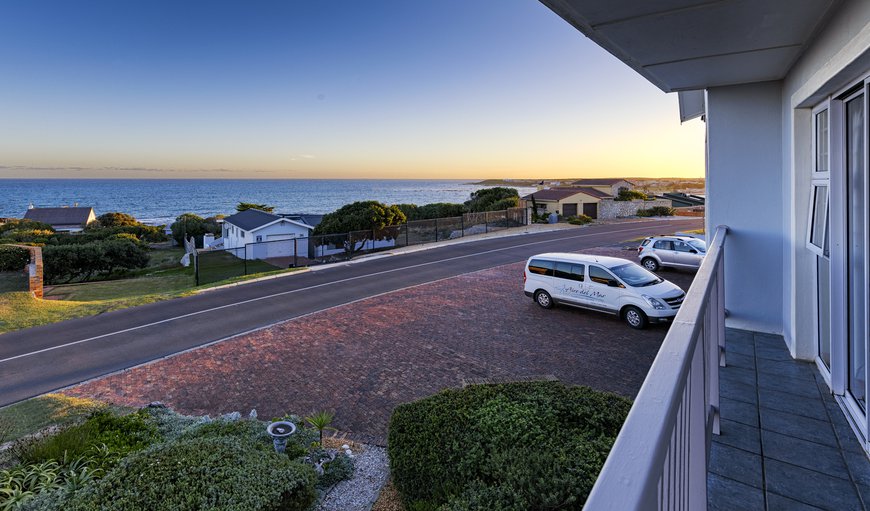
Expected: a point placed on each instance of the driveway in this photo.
(362, 359)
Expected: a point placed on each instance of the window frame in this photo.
(819, 250)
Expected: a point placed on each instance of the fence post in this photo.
(436, 230)
(196, 267)
(295, 253)
(407, 242)
(246, 259)
(486, 221)
(462, 226)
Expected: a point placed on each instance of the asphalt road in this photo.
(46, 358)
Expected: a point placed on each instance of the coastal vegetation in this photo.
(189, 225)
(244, 206)
(515, 446)
(154, 458)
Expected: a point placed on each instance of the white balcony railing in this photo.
(659, 459)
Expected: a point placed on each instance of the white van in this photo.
(607, 284)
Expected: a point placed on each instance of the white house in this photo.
(253, 228)
(783, 87)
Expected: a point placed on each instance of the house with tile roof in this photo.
(610, 186)
(566, 201)
(62, 219)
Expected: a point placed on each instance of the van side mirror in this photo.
(692, 250)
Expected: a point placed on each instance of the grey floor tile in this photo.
(803, 453)
(728, 495)
(740, 436)
(737, 375)
(788, 368)
(864, 491)
(801, 386)
(810, 487)
(779, 503)
(798, 426)
(733, 335)
(859, 467)
(770, 340)
(739, 411)
(738, 391)
(736, 464)
(740, 360)
(813, 408)
(741, 349)
(771, 353)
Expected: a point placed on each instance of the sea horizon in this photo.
(160, 200)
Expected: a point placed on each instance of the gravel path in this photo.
(360, 493)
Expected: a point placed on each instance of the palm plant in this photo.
(321, 421)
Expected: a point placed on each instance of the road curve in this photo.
(49, 357)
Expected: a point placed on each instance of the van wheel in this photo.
(635, 317)
(650, 264)
(543, 299)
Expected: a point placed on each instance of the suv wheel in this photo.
(650, 264)
(635, 317)
(544, 299)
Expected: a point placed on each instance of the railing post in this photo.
(485, 221)
(462, 225)
(295, 253)
(407, 241)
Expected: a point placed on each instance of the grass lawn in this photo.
(158, 282)
(35, 414)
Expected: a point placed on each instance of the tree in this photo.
(243, 206)
(115, 219)
(493, 199)
(187, 225)
(367, 220)
(628, 195)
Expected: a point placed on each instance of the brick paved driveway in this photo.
(362, 359)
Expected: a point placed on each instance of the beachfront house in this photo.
(64, 219)
(610, 186)
(566, 201)
(783, 88)
(265, 235)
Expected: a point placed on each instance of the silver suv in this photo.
(675, 251)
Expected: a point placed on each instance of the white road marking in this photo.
(283, 293)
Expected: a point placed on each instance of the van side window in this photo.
(569, 271)
(599, 275)
(664, 244)
(541, 267)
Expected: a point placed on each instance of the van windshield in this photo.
(635, 276)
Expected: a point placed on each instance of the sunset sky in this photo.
(341, 89)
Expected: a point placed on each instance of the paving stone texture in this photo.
(361, 360)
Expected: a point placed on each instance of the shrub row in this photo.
(656, 211)
(13, 258)
(514, 446)
(580, 220)
(63, 263)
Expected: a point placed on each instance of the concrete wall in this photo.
(609, 208)
(744, 191)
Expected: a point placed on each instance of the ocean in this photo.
(159, 201)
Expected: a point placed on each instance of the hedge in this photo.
(511, 446)
(13, 258)
(217, 473)
(656, 211)
(81, 262)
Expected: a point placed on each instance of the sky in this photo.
(426, 89)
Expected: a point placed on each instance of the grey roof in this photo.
(308, 219)
(250, 219)
(558, 194)
(60, 216)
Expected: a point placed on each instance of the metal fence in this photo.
(265, 256)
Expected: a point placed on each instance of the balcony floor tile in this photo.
(782, 432)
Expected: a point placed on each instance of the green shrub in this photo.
(13, 258)
(201, 473)
(627, 195)
(493, 199)
(580, 220)
(83, 261)
(118, 434)
(16, 224)
(513, 446)
(656, 211)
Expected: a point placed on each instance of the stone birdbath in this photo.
(280, 431)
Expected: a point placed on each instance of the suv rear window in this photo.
(541, 267)
(645, 242)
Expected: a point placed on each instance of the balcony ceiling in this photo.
(697, 44)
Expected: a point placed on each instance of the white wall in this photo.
(744, 192)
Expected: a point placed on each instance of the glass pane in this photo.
(856, 240)
(820, 207)
(822, 141)
(824, 312)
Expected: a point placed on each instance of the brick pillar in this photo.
(34, 270)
